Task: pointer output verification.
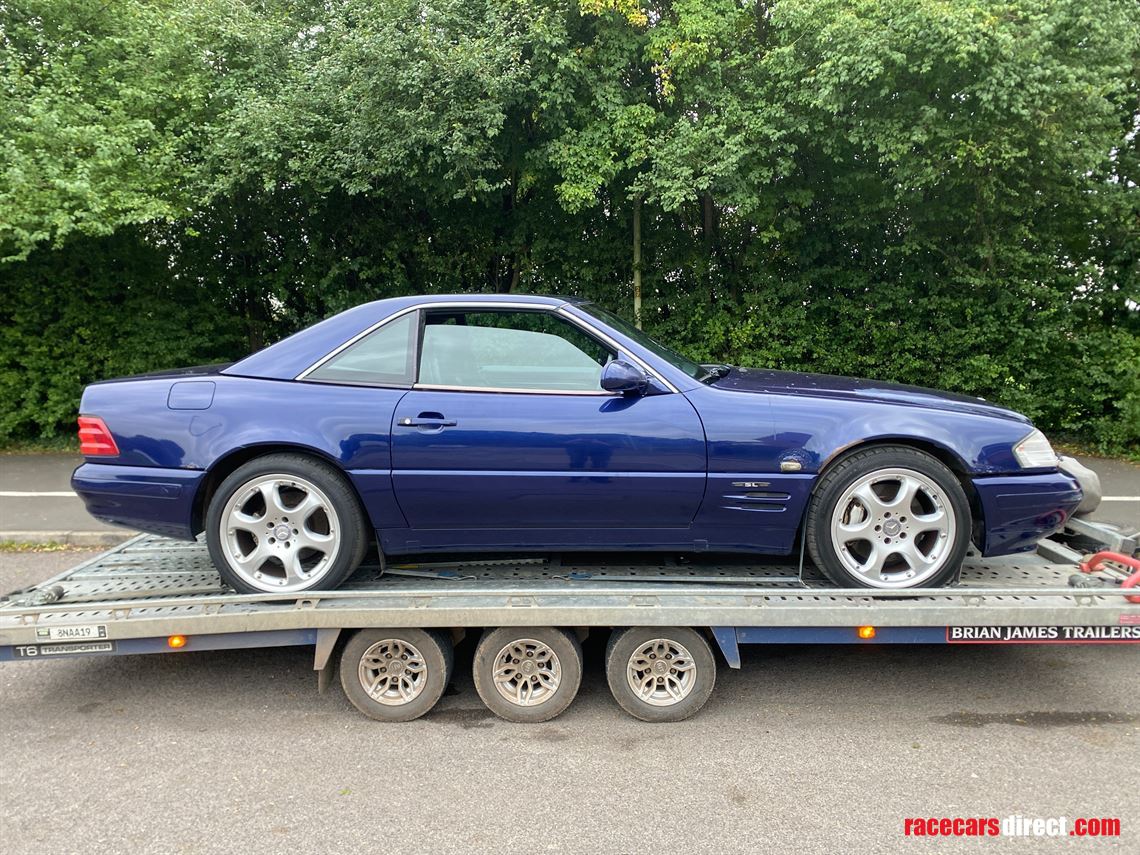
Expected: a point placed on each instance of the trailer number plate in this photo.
(72, 633)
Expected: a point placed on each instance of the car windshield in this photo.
(693, 369)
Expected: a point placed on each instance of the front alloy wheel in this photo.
(893, 527)
(888, 517)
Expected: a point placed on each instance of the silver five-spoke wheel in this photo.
(661, 672)
(280, 532)
(392, 672)
(894, 528)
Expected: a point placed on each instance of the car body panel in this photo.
(1018, 510)
(834, 388)
(150, 499)
(726, 465)
(523, 461)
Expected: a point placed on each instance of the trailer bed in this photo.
(151, 587)
(153, 595)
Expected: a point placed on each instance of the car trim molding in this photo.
(436, 387)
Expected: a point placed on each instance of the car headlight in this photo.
(1035, 452)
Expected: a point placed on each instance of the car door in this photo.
(507, 434)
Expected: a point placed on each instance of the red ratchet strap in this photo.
(1093, 564)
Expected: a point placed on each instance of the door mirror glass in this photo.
(619, 376)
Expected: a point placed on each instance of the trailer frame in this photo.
(152, 595)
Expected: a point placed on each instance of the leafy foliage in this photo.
(930, 192)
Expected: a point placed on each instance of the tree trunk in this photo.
(637, 262)
(710, 243)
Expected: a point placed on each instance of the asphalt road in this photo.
(807, 750)
(43, 474)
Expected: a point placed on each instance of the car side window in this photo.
(527, 351)
(384, 356)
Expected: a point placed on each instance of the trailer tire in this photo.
(423, 661)
(527, 674)
(675, 694)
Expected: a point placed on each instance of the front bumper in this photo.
(1019, 510)
(147, 498)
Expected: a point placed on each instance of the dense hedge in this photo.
(942, 194)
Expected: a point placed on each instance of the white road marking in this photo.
(17, 494)
(1121, 499)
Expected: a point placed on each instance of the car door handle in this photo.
(427, 420)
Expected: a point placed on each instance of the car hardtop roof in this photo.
(289, 357)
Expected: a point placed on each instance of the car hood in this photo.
(855, 389)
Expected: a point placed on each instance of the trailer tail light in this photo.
(176, 642)
(95, 439)
(865, 632)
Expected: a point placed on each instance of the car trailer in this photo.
(391, 629)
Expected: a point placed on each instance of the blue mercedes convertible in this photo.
(541, 424)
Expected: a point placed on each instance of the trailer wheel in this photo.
(396, 674)
(660, 673)
(527, 674)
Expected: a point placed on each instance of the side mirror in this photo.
(622, 377)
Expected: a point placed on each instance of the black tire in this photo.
(352, 528)
(567, 655)
(435, 652)
(620, 650)
(847, 472)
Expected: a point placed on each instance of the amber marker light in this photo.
(176, 642)
(865, 632)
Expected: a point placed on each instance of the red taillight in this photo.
(94, 438)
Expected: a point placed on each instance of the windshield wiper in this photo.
(715, 372)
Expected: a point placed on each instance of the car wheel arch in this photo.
(229, 462)
(943, 454)
(950, 459)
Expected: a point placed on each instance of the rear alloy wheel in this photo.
(889, 518)
(660, 674)
(285, 523)
(529, 674)
(396, 674)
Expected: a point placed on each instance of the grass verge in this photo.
(55, 445)
(19, 546)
